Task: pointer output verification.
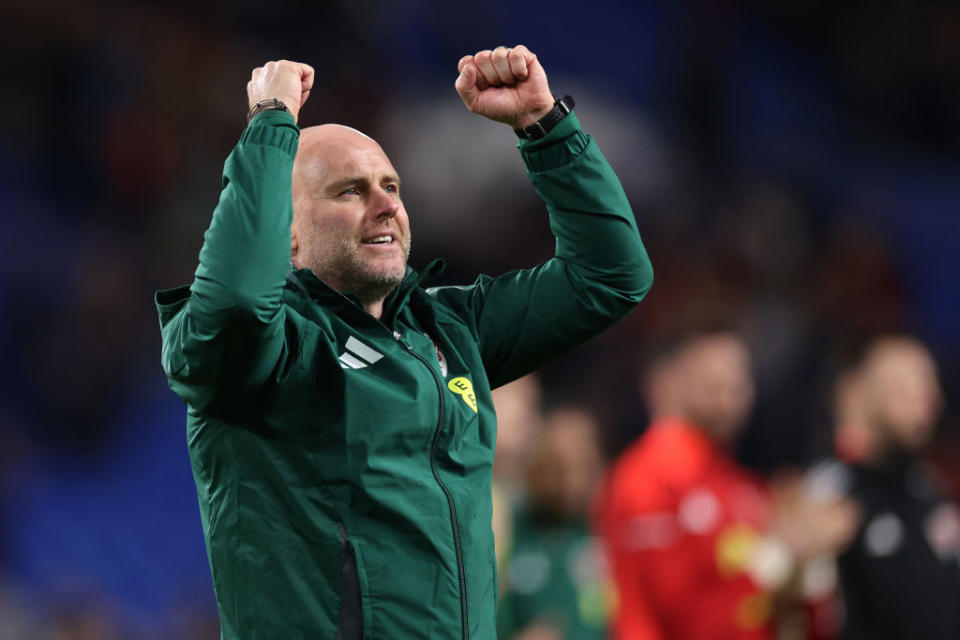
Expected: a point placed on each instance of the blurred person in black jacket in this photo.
(901, 575)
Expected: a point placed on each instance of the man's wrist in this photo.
(541, 127)
(270, 104)
(534, 116)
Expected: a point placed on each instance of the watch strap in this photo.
(543, 126)
(271, 104)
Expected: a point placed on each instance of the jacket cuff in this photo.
(564, 143)
(273, 128)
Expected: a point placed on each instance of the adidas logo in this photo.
(358, 355)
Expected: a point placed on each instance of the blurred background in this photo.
(794, 166)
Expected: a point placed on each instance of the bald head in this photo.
(319, 129)
(321, 149)
(349, 224)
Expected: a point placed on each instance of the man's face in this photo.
(902, 392)
(566, 466)
(350, 227)
(716, 384)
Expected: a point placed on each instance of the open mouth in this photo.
(379, 240)
(383, 240)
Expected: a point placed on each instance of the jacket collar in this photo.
(398, 297)
(307, 282)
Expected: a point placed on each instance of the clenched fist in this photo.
(506, 85)
(289, 82)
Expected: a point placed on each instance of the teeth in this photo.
(379, 240)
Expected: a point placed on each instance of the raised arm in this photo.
(600, 271)
(224, 337)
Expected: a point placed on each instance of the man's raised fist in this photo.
(289, 82)
(506, 85)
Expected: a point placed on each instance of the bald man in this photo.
(339, 415)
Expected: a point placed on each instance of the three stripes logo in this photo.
(358, 355)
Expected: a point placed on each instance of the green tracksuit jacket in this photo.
(342, 463)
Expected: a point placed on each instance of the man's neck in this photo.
(375, 308)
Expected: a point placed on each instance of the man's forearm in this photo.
(226, 337)
(589, 213)
(246, 250)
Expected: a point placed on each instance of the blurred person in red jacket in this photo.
(701, 548)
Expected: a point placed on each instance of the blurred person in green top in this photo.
(556, 586)
(339, 414)
(519, 419)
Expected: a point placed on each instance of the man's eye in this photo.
(352, 191)
(391, 188)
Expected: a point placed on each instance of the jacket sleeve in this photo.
(224, 337)
(600, 271)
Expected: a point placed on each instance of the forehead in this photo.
(336, 157)
(900, 359)
(714, 349)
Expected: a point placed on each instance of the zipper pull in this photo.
(399, 338)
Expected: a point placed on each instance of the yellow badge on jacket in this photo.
(464, 388)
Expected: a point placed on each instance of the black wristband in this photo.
(543, 126)
(266, 105)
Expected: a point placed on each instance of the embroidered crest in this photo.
(464, 388)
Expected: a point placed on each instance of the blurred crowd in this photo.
(677, 540)
(793, 168)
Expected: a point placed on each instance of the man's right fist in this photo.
(289, 82)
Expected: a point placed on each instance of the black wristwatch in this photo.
(543, 126)
(266, 105)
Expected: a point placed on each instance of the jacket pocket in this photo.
(351, 610)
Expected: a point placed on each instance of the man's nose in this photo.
(384, 204)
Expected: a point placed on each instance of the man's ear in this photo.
(294, 246)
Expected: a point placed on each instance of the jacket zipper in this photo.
(454, 521)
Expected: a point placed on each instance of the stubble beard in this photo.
(340, 265)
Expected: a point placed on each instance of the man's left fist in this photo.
(506, 85)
